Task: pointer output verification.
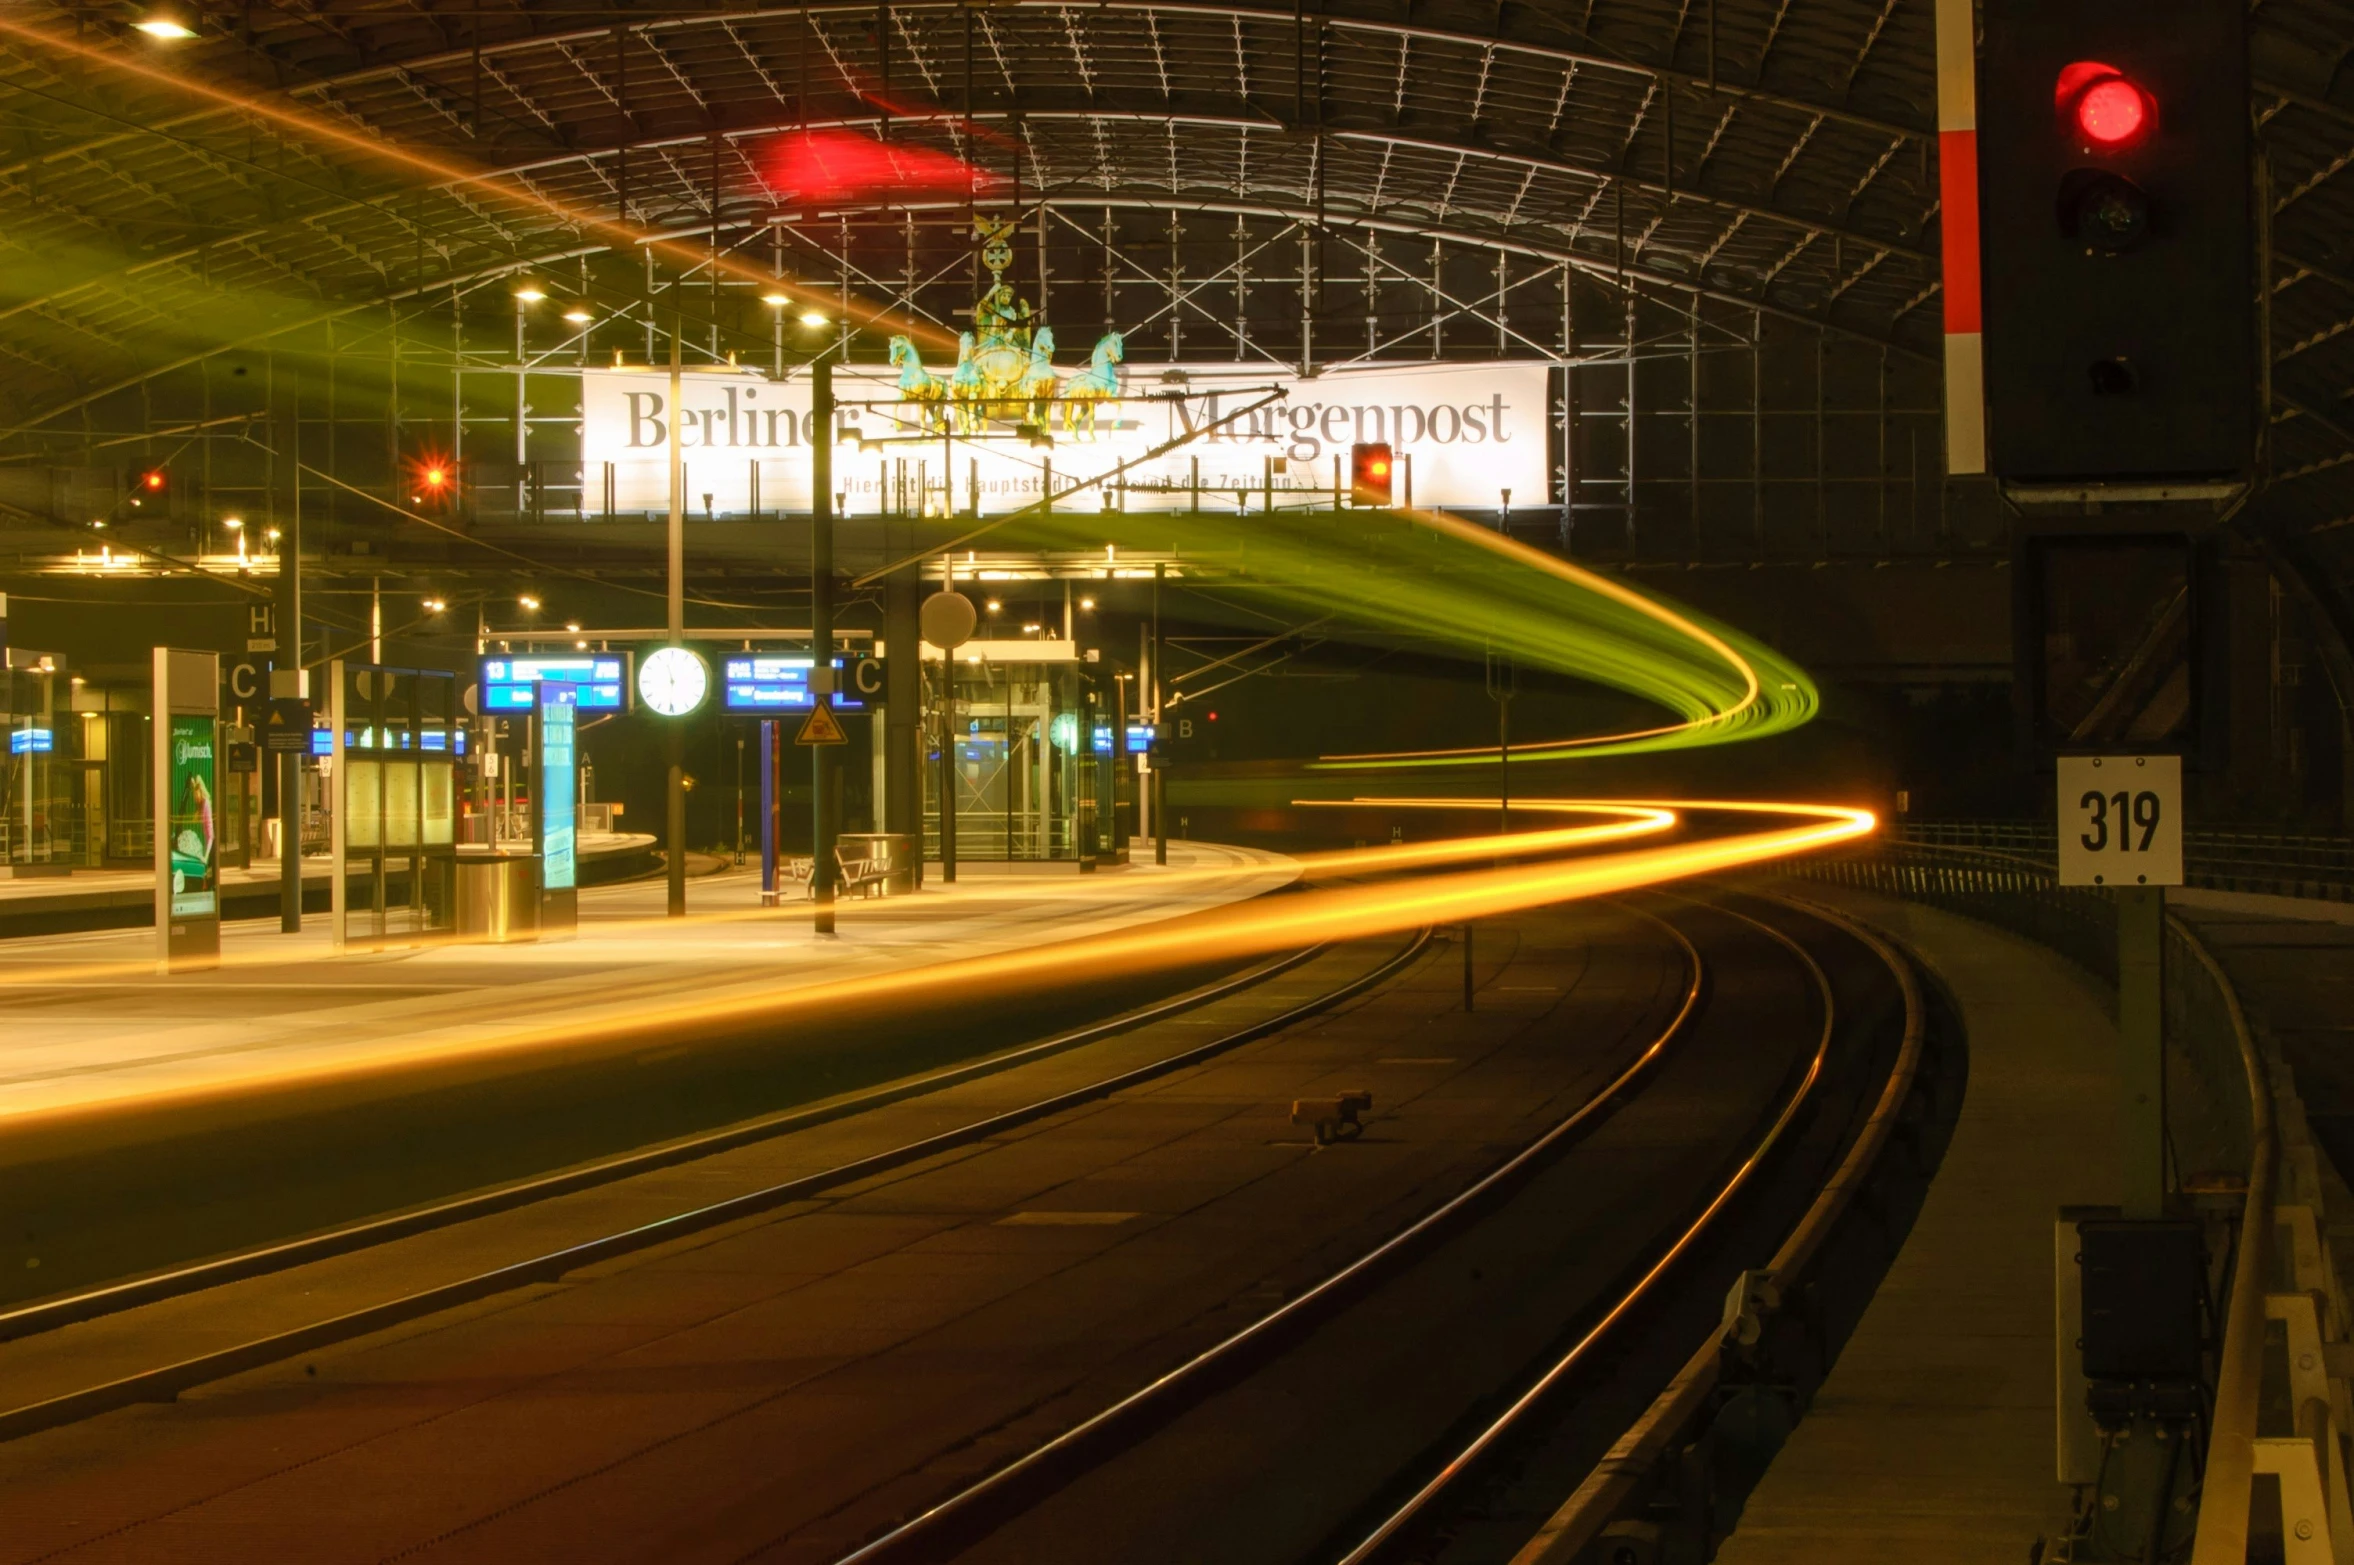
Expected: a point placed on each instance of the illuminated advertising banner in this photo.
(558, 788)
(191, 742)
(1467, 432)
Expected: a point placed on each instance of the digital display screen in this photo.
(601, 678)
(1103, 739)
(31, 741)
(1140, 737)
(762, 682)
(557, 786)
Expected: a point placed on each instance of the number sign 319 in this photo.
(2121, 820)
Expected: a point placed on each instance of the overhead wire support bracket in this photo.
(1045, 503)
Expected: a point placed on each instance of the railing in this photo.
(2289, 864)
(2284, 1363)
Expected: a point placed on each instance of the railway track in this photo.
(1200, 1463)
(1726, 1071)
(164, 1381)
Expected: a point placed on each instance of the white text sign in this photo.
(2121, 820)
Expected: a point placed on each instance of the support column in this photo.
(286, 676)
(1160, 786)
(674, 729)
(2141, 1030)
(823, 823)
(903, 693)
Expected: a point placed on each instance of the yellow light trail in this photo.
(1624, 822)
(447, 171)
(1236, 932)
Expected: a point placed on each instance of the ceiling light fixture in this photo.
(165, 22)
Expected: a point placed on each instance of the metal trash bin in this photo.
(891, 856)
(498, 897)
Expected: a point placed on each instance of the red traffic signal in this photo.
(1371, 468)
(2104, 106)
(153, 482)
(433, 479)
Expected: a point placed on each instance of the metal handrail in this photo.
(2222, 1534)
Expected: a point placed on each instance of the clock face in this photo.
(673, 681)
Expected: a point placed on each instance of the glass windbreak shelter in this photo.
(52, 787)
(1035, 774)
(396, 746)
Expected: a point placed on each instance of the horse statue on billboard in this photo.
(1005, 363)
(1039, 381)
(920, 386)
(1086, 392)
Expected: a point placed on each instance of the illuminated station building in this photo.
(1567, 784)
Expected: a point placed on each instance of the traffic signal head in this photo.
(2116, 240)
(2106, 107)
(1371, 469)
(433, 479)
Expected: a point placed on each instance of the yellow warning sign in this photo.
(820, 727)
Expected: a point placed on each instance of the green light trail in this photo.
(1440, 580)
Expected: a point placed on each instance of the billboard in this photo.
(1466, 432)
(189, 757)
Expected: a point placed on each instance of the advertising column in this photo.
(187, 854)
(555, 798)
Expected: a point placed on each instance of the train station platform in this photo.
(1932, 1440)
(94, 1024)
(36, 904)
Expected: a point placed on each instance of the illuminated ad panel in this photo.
(1465, 432)
(600, 678)
(758, 683)
(558, 788)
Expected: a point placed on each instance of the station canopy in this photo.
(293, 162)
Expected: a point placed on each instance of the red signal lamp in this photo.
(1369, 472)
(2107, 108)
(152, 480)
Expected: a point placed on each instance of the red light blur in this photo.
(432, 476)
(826, 166)
(153, 480)
(1380, 468)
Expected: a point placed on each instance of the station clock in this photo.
(673, 681)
